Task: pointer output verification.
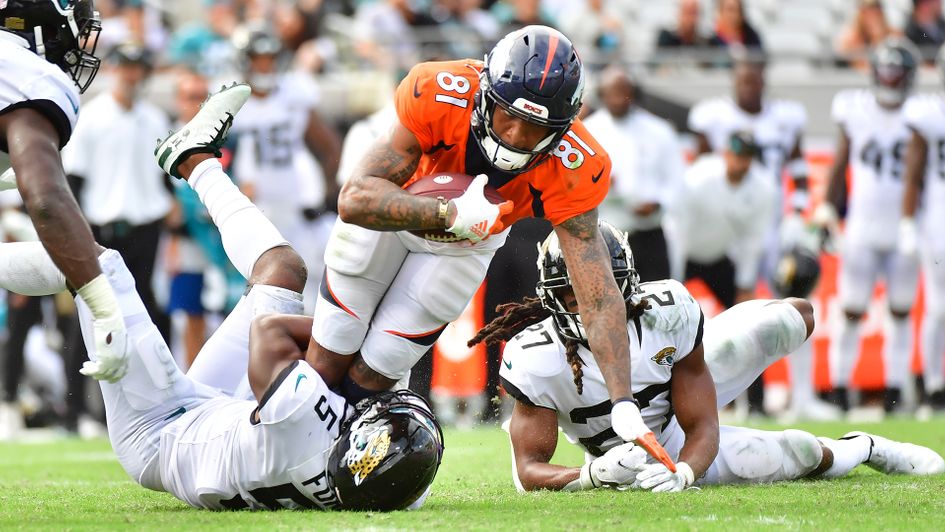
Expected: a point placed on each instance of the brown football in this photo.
(448, 186)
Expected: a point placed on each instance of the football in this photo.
(448, 186)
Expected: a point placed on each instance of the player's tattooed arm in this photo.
(916, 159)
(372, 198)
(601, 305)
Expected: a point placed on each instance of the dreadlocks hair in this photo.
(513, 317)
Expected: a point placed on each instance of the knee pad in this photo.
(337, 330)
(784, 329)
(448, 284)
(802, 452)
(391, 356)
(752, 457)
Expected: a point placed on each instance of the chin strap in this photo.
(40, 45)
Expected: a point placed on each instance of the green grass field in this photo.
(73, 484)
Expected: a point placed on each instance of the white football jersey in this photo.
(878, 139)
(777, 128)
(535, 371)
(27, 77)
(216, 457)
(926, 115)
(271, 153)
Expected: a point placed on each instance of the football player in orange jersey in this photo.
(511, 121)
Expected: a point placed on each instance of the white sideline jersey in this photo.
(878, 139)
(28, 80)
(535, 371)
(271, 153)
(925, 114)
(215, 457)
(777, 128)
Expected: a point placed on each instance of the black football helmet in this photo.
(387, 454)
(535, 75)
(796, 273)
(554, 281)
(893, 65)
(64, 32)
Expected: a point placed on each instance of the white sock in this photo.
(802, 375)
(897, 353)
(26, 268)
(847, 454)
(933, 350)
(844, 351)
(245, 231)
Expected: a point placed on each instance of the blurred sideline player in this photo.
(40, 42)
(872, 141)
(923, 214)
(276, 134)
(680, 378)
(778, 126)
(388, 294)
(298, 445)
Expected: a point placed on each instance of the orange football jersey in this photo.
(435, 102)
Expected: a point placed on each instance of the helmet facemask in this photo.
(72, 45)
(499, 153)
(535, 75)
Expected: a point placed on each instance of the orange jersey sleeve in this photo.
(435, 101)
(573, 180)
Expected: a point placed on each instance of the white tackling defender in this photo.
(872, 141)
(923, 214)
(669, 380)
(298, 445)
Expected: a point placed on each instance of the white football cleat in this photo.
(206, 131)
(893, 457)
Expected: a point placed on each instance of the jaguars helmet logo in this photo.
(365, 455)
(665, 357)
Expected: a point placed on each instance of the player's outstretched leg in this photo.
(744, 340)
(274, 271)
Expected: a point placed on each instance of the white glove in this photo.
(627, 421)
(657, 478)
(108, 329)
(476, 217)
(618, 467)
(908, 240)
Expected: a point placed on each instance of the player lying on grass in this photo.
(680, 378)
(298, 445)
